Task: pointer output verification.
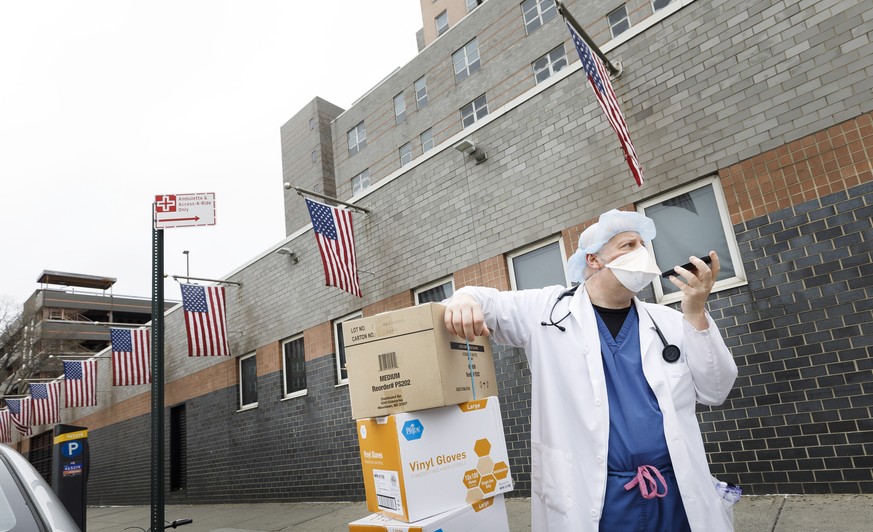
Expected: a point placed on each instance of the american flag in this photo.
(46, 403)
(5, 426)
(80, 383)
(599, 78)
(131, 357)
(205, 320)
(336, 243)
(19, 410)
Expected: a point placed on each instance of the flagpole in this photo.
(352, 206)
(219, 281)
(614, 70)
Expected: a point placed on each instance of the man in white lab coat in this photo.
(615, 443)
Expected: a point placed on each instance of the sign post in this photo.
(168, 211)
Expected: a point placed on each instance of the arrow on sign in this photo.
(196, 218)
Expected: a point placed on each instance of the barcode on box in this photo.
(388, 503)
(387, 361)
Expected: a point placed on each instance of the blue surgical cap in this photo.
(598, 234)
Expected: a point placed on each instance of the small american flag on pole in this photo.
(19, 410)
(131, 357)
(598, 76)
(80, 383)
(205, 320)
(46, 403)
(5, 426)
(336, 243)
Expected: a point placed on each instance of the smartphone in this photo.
(688, 266)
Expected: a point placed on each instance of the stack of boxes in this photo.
(430, 432)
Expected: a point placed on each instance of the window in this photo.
(40, 455)
(618, 21)
(405, 154)
(314, 155)
(426, 140)
(435, 292)
(466, 60)
(361, 182)
(342, 376)
(552, 62)
(693, 220)
(294, 367)
(178, 448)
(658, 5)
(311, 123)
(538, 266)
(473, 4)
(474, 111)
(248, 382)
(399, 108)
(420, 92)
(357, 139)
(442, 23)
(536, 13)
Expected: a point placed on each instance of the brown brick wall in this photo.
(829, 161)
(318, 341)
(269, 358)
(398, 301)
(491, 272)
(214, 378)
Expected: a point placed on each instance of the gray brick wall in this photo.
(297, 449)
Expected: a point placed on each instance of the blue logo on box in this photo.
(412, 430)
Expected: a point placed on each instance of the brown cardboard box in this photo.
(405, 360)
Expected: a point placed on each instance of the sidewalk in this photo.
(766, 513)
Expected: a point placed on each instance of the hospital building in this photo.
(480, 162)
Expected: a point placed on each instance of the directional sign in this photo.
(184, 210)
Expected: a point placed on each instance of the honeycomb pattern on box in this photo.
(482, 481)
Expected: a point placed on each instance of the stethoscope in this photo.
(670, 353)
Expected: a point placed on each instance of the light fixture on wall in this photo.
(291, 254)
(468, 147)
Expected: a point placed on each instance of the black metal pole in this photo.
(576, 26)
(157, 466)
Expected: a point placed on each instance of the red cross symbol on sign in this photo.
(165, 203)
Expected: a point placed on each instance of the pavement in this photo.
(755, 513)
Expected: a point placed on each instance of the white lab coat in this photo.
(570, 411)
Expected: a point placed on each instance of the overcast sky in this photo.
(104, 104)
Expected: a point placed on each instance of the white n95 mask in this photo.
(635, 270)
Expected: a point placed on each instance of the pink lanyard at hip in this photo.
(647, 483)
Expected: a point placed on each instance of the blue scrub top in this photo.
(636, 425)
(636, 438)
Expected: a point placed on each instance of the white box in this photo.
(419, 464)
(487, 515)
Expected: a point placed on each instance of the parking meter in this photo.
(70, 464)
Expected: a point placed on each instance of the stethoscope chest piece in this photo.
(670, 353)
